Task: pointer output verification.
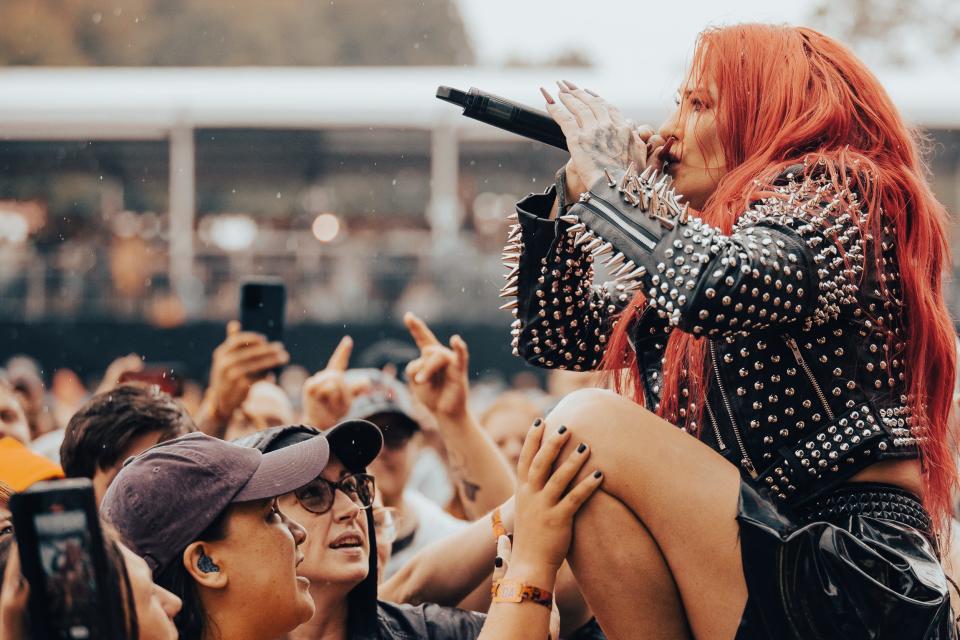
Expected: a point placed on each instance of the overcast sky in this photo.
(611, 32)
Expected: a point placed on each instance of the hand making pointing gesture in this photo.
(327, 395)
(439, 377)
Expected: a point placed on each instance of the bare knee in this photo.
(600, 419)
(599, 413)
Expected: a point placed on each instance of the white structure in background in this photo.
(169, 103)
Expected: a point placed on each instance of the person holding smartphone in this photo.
(148, 609)
(244, 358)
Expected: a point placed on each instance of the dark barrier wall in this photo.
(88, 347)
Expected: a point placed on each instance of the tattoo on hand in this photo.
(606, 146)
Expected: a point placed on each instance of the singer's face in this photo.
(697, 161)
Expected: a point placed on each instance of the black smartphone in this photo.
(506, 114)
(63, 557)
(263, 303)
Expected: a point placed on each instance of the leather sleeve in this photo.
(793, 257)
(562, 320)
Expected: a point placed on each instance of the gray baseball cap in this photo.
(164, 498)
(383, 394)
(355, 442)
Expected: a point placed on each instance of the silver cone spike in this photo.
(515, 324)
(577, 228)
(589, 235)
(684, 213)
(513, 216)
(593, 244)
(627, 267)
(510, 264)
(610, 181)
(647, 173)
(602, 250)
(510, 305)
(616, 260)
(508, 292)
(666, 223)
(571, 218)
(512, 273)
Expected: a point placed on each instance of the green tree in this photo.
(232, 32)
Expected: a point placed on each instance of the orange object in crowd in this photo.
(20, 467)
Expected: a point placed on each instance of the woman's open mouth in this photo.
(347, 541)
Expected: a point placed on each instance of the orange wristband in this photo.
(498, 528)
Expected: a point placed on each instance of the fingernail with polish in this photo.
(562, 429)
(597, 474)
(537, 422)
(570, 84)
(581, 448)
(498, 562)
(546, 96)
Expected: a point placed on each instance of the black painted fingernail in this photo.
(537, 422)
(581, 448)
(510, 537)
(498, 562)
(562, 429)
(597, 474)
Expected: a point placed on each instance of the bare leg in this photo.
(681, 491)
(645, 595)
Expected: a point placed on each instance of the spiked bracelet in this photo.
(636, 224)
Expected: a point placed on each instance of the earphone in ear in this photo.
(206, 563)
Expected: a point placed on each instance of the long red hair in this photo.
(789, 95)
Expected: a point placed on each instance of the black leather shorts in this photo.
(857, 562)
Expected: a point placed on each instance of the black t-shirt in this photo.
(433, 622)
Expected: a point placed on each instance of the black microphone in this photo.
(505, 114)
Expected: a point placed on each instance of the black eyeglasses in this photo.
(317, 496)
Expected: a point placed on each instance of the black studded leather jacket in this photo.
(800, 308)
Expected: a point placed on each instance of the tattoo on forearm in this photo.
(469, 489)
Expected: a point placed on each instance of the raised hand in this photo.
(242, 359)
(439, 377)
(598, 136)
(326, 394)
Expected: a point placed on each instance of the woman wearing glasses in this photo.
(344, 527)
(337, 510)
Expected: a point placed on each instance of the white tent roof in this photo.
(82, 103)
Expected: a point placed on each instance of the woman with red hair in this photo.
(773, 288)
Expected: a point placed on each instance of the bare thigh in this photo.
(684, 493)
(639, 591)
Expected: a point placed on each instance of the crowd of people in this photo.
(388, 520)
(773, 456)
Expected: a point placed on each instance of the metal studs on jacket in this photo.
(804, 330)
